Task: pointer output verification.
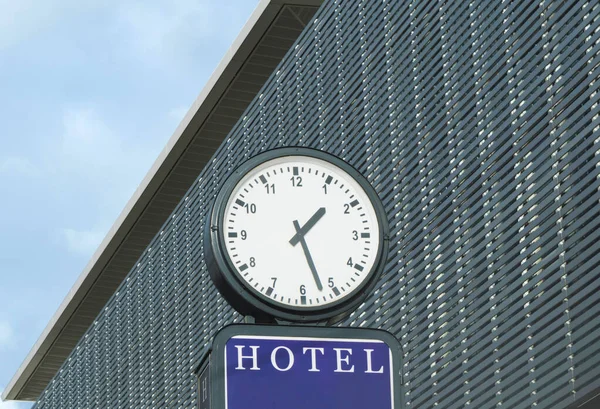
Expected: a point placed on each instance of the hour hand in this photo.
(311, 263)
(300, 232)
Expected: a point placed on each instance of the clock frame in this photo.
(251, 302)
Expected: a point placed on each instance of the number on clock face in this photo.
(301, 232)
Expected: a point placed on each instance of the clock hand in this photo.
(307, 226)
(309, 259)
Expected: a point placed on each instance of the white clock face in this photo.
(301, 232)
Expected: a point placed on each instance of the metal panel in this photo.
(478, 124)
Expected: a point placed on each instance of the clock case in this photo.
(248, 301)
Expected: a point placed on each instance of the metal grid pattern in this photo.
(478, 124)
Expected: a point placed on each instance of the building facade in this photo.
(478, 124)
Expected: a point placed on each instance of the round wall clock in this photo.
(296, 234)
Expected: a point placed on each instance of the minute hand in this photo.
(307, 226)
(309, 260)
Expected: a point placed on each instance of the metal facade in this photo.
(478, 124)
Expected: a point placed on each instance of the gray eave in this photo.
(264, 40)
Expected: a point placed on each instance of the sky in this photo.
(90, 92)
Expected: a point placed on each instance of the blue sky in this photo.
(90, 91)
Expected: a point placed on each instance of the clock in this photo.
(296, 234)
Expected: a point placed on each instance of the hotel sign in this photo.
(290, 367)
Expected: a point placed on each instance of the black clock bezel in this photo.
(248, 301)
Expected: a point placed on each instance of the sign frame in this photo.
(213, 366)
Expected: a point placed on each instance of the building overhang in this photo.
(267, 36)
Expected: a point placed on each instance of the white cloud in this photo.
(167, 32)
(87, 138)
(24, 18)
(158, 28)
(17, 164)
(103, 160)
(83, 242)
(151, 27)
(95, 148)
(19, 19)
(7, 335)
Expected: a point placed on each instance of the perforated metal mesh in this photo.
(477, 122)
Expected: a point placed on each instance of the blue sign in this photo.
(309, 372)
